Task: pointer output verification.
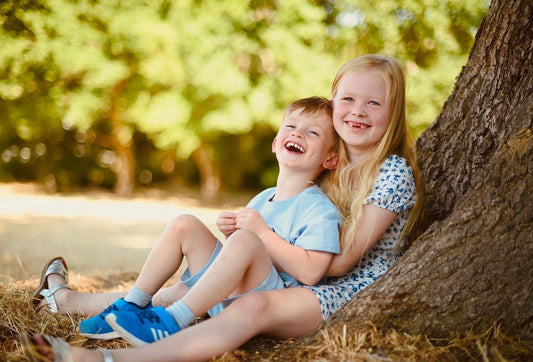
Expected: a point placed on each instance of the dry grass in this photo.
(366, 344)
(370, 344)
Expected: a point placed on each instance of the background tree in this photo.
(473, 266)
(116, 94)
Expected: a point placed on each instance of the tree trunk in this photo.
(209, 179)
(474, 264)
(121, 142)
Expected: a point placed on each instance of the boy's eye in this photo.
(348, 99)
(314, 133)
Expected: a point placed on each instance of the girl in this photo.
(377, 187)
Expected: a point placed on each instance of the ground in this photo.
(105, 241)
(95, 232)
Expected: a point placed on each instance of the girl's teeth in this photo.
(358, 125)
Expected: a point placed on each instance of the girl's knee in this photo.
(253, 305)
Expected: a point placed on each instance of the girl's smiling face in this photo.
(361, 111)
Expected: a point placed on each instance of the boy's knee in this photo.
(244, 240)
(183, 222)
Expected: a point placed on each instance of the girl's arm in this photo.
(307, 266)
(373, 223)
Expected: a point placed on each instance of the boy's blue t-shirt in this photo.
(308, 220)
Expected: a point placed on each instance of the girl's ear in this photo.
(331, 163)
(274, 145)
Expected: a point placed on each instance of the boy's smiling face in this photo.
(306, 142)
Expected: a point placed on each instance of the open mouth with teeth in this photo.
(358, 125)
(294, 147)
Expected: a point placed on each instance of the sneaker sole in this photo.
(101, 336)
(111, 319)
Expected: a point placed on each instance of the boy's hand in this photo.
(227, 223)
(250, 219)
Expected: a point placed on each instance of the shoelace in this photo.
(148, 315)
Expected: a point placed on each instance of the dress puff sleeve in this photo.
(394, 188)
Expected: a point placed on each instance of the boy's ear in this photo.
(274, 145)
(331, 163)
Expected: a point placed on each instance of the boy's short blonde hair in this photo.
(311, 105)
(315, 105)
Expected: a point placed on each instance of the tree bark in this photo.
(473, 266)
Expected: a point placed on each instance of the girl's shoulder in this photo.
(394, 188)
(396, 164)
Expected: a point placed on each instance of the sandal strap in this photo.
(48, 295)
(108, 356)
(62, 351)
(57, 267)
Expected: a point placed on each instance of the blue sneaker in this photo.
(97, 328)
(143, 327)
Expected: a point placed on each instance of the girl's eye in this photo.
(374, 103)
(289, 126)
(348, 99)
(314, 133)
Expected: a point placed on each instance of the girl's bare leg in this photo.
(71, 301)
(284, 313)
(184, 236)
(89, 304)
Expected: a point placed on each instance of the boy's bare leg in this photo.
(242, 265)
(183, 236)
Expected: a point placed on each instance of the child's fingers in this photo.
(226, 222)
(226, 215)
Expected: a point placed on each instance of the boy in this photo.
(286, 237)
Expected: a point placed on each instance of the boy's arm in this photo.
(307, 266)
(372, 225)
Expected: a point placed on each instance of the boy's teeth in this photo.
(294, 145)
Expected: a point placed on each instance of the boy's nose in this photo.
(297, 133)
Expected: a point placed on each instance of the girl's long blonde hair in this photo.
(350, 183)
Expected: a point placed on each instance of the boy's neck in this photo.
(290, 185)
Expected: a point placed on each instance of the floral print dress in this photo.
(393, 190)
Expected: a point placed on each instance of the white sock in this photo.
(138, 297)
(181, 314)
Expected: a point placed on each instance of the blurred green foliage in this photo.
(134, 93)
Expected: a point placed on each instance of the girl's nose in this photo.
(358, 109)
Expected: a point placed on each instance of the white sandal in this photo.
(56, 265)
(61, 349)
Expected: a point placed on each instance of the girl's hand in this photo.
(227, 223)
(250, 219)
